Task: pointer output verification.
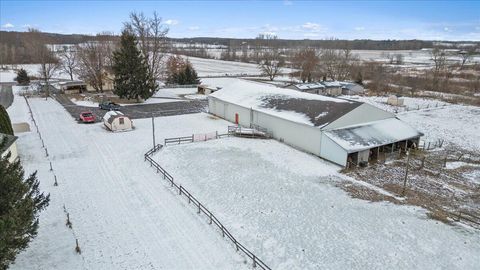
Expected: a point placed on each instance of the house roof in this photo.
(308, 86)
(72, 83)
(6, 141)
(310, 109)
(360, 137)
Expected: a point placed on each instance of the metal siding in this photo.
(362, 114)
(306, 138)
(333, 152)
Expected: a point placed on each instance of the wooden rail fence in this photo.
(212, 219)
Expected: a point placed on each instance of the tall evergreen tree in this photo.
(191, 76)
(22, 77)
(5, 123)
(20, 204)
(132, 79)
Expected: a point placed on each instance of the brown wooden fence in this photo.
(201, 208)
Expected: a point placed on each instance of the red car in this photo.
(87, 117)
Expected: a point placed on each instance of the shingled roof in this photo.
(305, 108)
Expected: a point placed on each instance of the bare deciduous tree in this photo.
(271, 64)
(95, 61)
(439, 59)
(337, 64)
(306, 61)
(466, 56)
(68, 62)
(151, 34)
(49, 64)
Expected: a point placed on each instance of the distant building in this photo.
(328, 88)
(203, 89)
(117, 121)
(8, 145)
(72, 87)
(395, 100)
(350, 88)
(342, 131)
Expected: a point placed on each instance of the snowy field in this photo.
(284, 204)
(211, 67)
(123, 215)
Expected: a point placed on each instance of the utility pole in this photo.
(406, 173)
(153, 130)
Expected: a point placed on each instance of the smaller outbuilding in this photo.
(8, 145)
(72, 87)
(395, 100)
(117, 121)
(350, 88)
(332, 88)
(203, 89)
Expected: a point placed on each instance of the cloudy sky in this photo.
(431, 20)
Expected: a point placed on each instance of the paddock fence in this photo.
(201, 208)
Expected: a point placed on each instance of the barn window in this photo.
(121, 120)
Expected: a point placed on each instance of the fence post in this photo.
(216, 134)
(254, 261)
(211, 219)
(198, 208)
(180, 190)
(223, 231)
(193, 138)
(51, 169)
(46, 152)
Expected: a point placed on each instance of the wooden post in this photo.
(211, 219)
(445, 160)
(198, 208)
(180, 190)
(55, 183)
(406, 174)
(51, 169)
(254, 261)
(77, 247)
(153, 131)
(46, 152)
(423, 162)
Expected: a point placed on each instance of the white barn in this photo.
(117, 121)
(339, 130)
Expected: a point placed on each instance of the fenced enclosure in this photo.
(212, 219)
(430, 145)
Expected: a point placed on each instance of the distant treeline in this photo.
(358, 44)
(13, 48)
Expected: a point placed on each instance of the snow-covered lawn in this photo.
(284, 204)
(211, 67)
(123, 214)
(456, 124)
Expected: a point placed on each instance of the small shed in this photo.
(332, 88)
(203, 89)
(395, 100)
(350, 88)
(8, 145)
(117, 121)
(72, 87)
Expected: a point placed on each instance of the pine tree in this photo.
(22, 77)
(191, 76)
(20, 204)
(5, 123)
(132, 79)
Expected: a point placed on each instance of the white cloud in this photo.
(194, 28)
(8, 25)
(171, 22)
(359, 28)
(26, 26)
(313, 27)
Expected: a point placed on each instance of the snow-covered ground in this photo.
(283, 203)
(211, 67)
(123, 214)
(456, 124)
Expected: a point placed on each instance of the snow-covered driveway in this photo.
(123, 215)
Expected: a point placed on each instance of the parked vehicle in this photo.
(87, 117)
(109, 106)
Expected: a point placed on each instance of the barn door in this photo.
(236, 118)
